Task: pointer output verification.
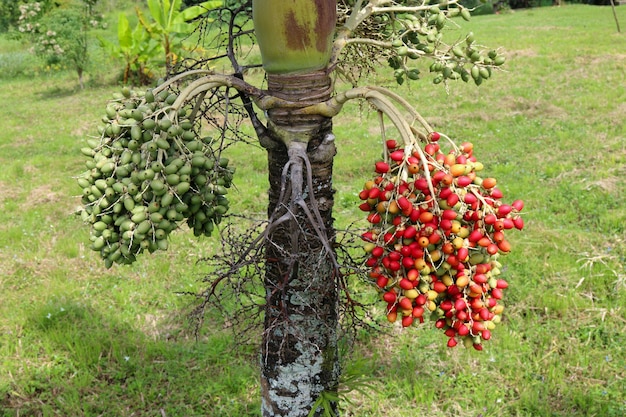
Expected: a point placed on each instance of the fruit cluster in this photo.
(147, 173)
(436, 231)
(423, 35)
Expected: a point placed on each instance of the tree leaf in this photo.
(124, 34)
(191, 13)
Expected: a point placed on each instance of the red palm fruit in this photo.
(440, 324)
(390, 296)
(450, 332)
(497, 236)
(460, 304)
(434, 136)
(397, 221)
(489, 183)
(439, 287)
(480, 279)
(452, 260)
(378, 251)
(503, 210)
(518, 205)
(391, 144)
(410, 232)
(490, 219)
(431, 148)
(463, 330)
(408, 262)
(403, 188)
(502, 284)
(444, 193)
(475, 235)
(452, 342)
(496, 293)
(492, 249)
(467, 147)
(421, 299)
(462, 254)
(463, 181)
(417, 252)
(446, 305)
(504, 246)
(518, 222)
(397, 155)
(382, 281)
(462, 315)
(477, 327)
(485, 334)
(418, 312)
(470, 198)
(392, 316)
(484, 314)
(414, 215)
(394, 266)
(445, 224)
(508, 223)
(371, 262)
(404, 203)
(476, 303)
(365, 207)
(407, 321)
(478, 346)
(476, 289)
(496, 193)
(364, 194)
(452, 200)
(381, 167)
(422, 185)
(426, 217)
(374, 218)
(483, 268)
(484, 242)
(413, 274)
(395, 255)
(453, 291)
(447, 179)
(461, 159)
(434, 238)
(438, 176)
(374, 193)
(405, 304)
(405, 284)
(405, 250)
(449, 214)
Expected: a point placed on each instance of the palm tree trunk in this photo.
(299, 357)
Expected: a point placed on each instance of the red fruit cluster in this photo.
(437, 229)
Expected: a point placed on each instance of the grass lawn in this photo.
(77, 339)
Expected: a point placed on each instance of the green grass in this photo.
(80, 340)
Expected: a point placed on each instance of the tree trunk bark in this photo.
(299, 356)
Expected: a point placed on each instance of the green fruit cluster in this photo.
(421, 35)
(148, 173)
